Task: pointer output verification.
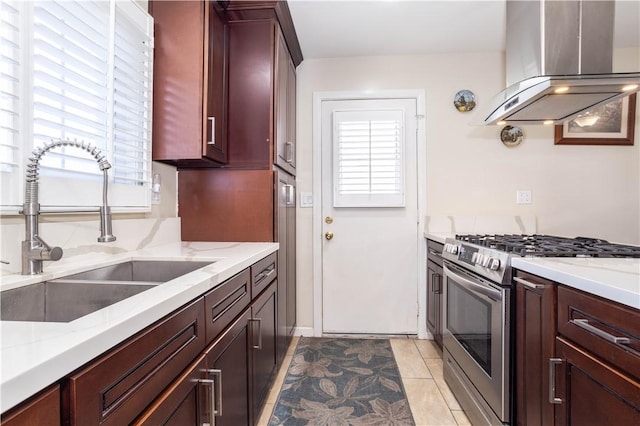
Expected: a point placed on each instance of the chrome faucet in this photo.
(34, 249)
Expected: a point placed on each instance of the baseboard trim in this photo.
(303, 331)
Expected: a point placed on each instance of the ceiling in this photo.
(338, 28)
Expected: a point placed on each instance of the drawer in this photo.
(606, 329)
(434, 252)
(42, 410)
(225, 302)
(263, 273)
(117, 387)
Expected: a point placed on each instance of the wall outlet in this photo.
(523, 197)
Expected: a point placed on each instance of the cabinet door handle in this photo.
(552, 380)
(213, 131)
(210, 402)
(259, 321)
(290, 189)
(584, 324)
(289, 152)
(439, 279)
(528, 284)
(216, 409)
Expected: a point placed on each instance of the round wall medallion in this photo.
(511, 135)
(464, 100)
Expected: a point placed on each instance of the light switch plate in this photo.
(306, 199)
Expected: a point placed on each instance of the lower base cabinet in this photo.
(228, 384)
(41, 410)
(590, 392)
(210, 362)
(264, 345)
(577, 357)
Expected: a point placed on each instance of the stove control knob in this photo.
(454, 249)
(474, 257)
(479, 258)
(494, 264)
(485, 261)
(447, 248)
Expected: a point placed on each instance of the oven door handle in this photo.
(489, 292)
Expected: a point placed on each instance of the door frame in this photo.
(421, 163)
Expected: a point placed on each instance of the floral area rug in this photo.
(342, 382)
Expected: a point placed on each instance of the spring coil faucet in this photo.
(34, 249)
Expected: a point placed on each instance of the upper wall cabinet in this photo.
(263, 54)
(190, 83)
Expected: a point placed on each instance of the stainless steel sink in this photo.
(155, 271)
(68, 298)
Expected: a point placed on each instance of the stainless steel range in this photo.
(477, 313)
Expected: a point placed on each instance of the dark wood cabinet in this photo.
(285, 152)
(597, 371)
(42, 410)
(577, 356)
(434, 290)
(591, 391)
(180, 404)
(264, 360)
(228, 365)
(286, 237)
(117, 387)
(535, 328)
(190, 83)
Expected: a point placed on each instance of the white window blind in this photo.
(86, 75)
(368, 158)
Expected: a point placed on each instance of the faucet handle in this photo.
(47, 252)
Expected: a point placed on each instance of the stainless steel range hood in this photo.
(559, 59)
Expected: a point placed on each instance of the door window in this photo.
(368, 158)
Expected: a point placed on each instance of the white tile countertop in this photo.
(614, 279)
(34, 355)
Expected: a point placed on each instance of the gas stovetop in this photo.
(490, 255)
(551, 246)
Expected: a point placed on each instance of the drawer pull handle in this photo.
(265, 274)
(552, 380)
(435, 253)
(584, 324)
(528, 284)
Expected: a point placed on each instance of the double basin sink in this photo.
(71, 297)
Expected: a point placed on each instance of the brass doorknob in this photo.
(328, 235)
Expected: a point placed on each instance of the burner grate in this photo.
(551, 246)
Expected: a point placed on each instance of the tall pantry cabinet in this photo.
(249, 193)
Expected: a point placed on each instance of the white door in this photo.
(370, 214)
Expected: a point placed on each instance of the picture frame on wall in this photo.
(609, 124)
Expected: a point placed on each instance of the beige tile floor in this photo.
(420, 365)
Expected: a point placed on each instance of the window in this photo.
(368, 158)
(76, 70)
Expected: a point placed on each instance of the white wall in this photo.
(576, 190)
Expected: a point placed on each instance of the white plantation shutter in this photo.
(368, 158)
(88, 65)
(10, 87)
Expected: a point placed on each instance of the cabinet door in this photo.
(41, 410)
(182, 403)
(190, 71)
(535, 332)
(251, 93)
(592, 392)
(285, 107)
(215, 93)
(434, 301)
(263, 346)
(228, 366)
(286, 237)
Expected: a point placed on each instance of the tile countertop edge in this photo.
(26, 369)
(619, 282)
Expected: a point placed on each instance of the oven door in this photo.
(476, 333)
